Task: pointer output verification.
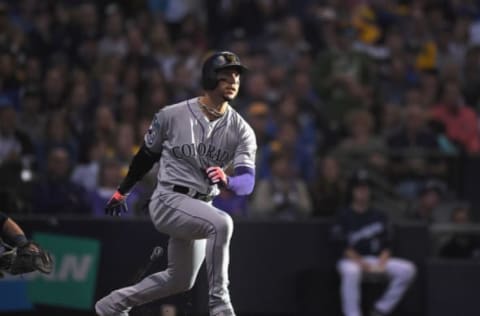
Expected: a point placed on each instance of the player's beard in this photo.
(227, 98)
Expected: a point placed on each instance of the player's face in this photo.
(361, 193)
(228, 83)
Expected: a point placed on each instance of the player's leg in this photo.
(351, 274)
(401, 273)
(189, 218)
(184, 260)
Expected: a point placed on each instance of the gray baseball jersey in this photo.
(189, 143)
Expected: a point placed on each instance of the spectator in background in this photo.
(461, 245)
(288, 141)
(328, 189)
(104, 126)
(58, 134)
(131, 81)
(361, 148)
(284, 195)
(129, 109)
(109, 90)
(14, 144)
(114, 42)
(302, 90)
(30, 119)
(460, 120)
(342, 76)
(78, 109)
(362, 233)
(56, 193)
(54, 87)
(109, 175)
(414, 153)
(138, 54)
(16, 155)
(286, 47)
(259, 117)
(33, 72)
(85, 173)
(161, 48)
(428, 207)
(157, 97)
(183, 84)
(391, 119)
(396, 81)
(429, 88)
(257, 88)
(125, 146)
(9, 75)
(277, 75)
(289, 110)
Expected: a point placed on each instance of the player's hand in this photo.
(116, 205)
(365, 266)
(217, 175)
(377, 268)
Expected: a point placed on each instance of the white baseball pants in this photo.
(401, 272)
(197, 231)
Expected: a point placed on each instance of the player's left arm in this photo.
(148, 154)
(242, 181)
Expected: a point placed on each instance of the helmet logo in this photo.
(220, 61)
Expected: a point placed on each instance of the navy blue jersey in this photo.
(366, 233)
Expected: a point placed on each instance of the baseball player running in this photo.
(195, 140)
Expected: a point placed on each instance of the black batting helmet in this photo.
(216, 62)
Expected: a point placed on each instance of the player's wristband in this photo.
(118, 195)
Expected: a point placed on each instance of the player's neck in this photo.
(212, 107)
(360, 207)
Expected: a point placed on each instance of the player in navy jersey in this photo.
(363, 233)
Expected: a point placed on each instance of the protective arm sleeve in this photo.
(243, 181)
(142, 162)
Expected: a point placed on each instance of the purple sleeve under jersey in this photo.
(243, 181)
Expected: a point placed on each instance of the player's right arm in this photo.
(243, 179)
(148, 154)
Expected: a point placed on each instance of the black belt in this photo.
(197, 195)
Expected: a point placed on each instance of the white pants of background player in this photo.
(401, 272)
(197, 231)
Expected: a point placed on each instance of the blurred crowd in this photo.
(333, 86)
